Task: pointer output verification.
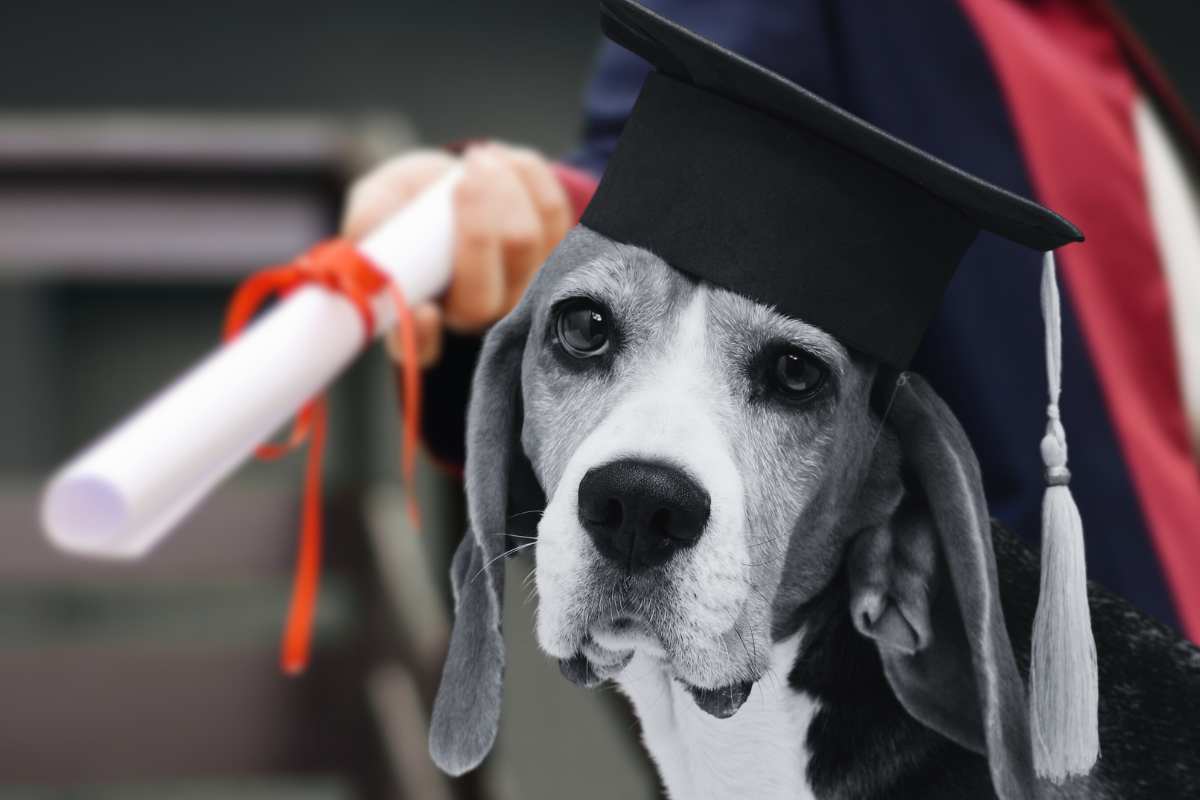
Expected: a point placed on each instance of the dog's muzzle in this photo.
(640, 513)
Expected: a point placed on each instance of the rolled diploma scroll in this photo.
(123, 494)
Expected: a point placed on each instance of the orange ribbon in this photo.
(340, 267)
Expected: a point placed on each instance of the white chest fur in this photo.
(758, 753)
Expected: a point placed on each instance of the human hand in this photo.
(509, 212)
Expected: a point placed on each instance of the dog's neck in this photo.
(823, 723)
(759, 752)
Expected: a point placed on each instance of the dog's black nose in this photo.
(639, 513)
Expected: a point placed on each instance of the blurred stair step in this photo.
(160, 614)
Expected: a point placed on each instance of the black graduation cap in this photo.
(742, 179)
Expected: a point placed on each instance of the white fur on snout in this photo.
(562, 564)
(672, 413)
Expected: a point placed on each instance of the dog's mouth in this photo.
(596, 662)
(610, 647)
(607, 649)
(722, 702)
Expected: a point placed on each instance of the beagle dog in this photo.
(778, 550)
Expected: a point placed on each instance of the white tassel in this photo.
(1064, 687)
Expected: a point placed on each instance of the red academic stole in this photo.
(1071, 93)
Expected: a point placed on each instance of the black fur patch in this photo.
(864, 745)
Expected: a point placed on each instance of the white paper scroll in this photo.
(124, 493)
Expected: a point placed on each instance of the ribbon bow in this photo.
(340, 267)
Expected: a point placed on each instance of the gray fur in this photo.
(781, 456)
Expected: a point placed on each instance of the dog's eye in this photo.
(583, 328)
(797, 374)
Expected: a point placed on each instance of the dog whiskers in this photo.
(510, 551)
(762, 542)
(530, 583)
(768, 562)
(530, 577)
(753, 658)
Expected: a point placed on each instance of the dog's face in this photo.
(707, 466)
(690, 443)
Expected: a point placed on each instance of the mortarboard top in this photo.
(741, 178)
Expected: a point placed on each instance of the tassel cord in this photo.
(1064, 693)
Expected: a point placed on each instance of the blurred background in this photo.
(151, 154)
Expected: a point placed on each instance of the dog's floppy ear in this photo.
(466, 712)
(924, 587)
(892, 570)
